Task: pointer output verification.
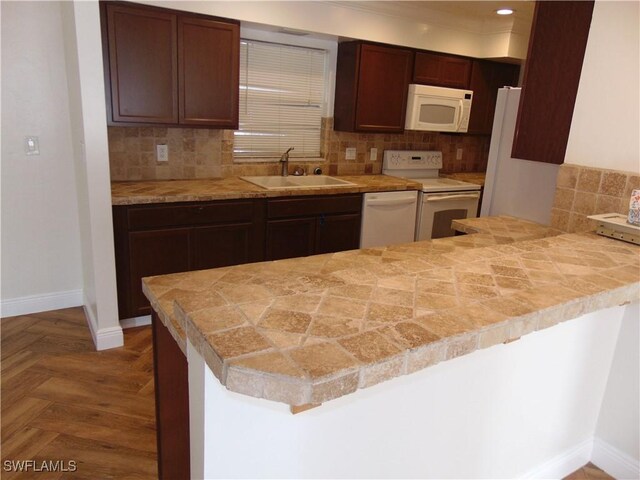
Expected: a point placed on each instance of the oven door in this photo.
(438, 210)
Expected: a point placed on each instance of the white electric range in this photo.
(441, 199)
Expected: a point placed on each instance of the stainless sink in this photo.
(274, 182)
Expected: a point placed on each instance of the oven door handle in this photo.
(452, 197)
(389, 202)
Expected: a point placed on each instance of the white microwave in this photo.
(438, 109)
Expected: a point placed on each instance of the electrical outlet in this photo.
(373, 155)
(350, 154)
(162, 152)
(459, 154)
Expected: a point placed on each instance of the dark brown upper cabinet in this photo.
(486, 78)
(442, 70)
(209, 55)
(143, 61)
(371, 87)
(551, 77)
(164, 67)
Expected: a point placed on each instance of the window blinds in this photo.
(281, 99)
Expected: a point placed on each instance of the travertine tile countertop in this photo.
(471, 177)
(164, 191)
(504, 228)
(307, 330)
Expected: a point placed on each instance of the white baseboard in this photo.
(565, 463)
(136, 321)
(616, 463)
(103, 338)
(40, 303)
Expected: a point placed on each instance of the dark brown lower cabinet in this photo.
(336, 233)
(302, 226)
(159, 239)
(221, 246)
(172, 404)
(290, 238)
(155, 252)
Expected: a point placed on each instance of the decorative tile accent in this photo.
(203, 153)
(583, 191)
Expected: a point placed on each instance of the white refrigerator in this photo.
(515, 187)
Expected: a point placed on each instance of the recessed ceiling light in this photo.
(504, 11)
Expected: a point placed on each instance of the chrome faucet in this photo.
(284, 160)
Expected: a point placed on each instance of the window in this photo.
(281, 100)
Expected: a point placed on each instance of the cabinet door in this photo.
(154, 252)
(221, 246)
(290, 238)
(383, 81)
(336, 233)
(143, 65)
(442, 70)
(552, 74)
(486, 79)
(208, 51)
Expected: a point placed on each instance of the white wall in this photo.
(83, 47)
(525, 409)
(41, 265)
(606, 118)
(620, 407)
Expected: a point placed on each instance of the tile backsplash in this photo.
(583, 191)
(204, 153)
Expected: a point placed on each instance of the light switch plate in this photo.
(162, 152)
(373, 155)
(31, 145)
(350, 154)
(459, 154)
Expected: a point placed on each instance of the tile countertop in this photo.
(166, 191)
(471, 177)
(504, 228)
(307, 330)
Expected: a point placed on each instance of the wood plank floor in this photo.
(62, 400)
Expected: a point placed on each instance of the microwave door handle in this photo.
(452, 197)
(460, 109)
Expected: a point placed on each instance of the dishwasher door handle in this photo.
(388, 202)
(452, 197)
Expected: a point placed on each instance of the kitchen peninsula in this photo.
(305, 331)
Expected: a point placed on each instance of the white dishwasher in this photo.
(388, 218)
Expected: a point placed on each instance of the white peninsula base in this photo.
(539, 407)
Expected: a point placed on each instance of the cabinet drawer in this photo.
(194, 214)
(312, 206)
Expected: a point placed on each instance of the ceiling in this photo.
(476, 10)
(476, 15)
